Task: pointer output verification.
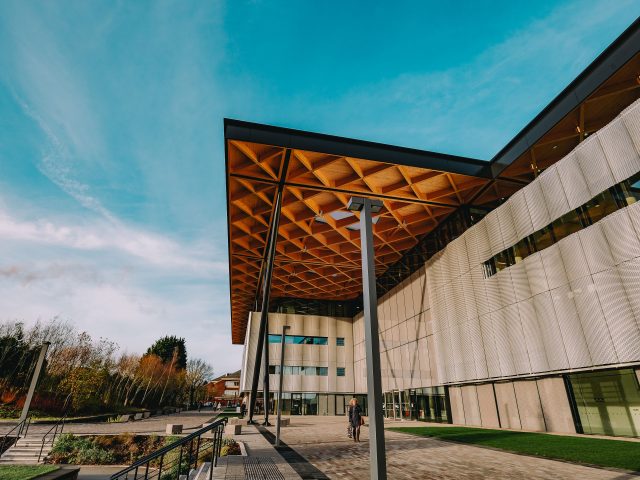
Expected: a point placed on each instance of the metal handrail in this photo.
(145, 462)
(54, 429)
(21, 426)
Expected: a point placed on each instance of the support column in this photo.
(266, 291)
(265, 379)
(372, 343)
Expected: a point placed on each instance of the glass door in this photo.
(296, 404)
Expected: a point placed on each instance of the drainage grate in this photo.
(261, 468)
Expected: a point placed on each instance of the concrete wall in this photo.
(330, 355)
(536, 405)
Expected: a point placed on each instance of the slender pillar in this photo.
(372, 346)
(282, 343)
(264, 312)
(265, 380)
(34, 380)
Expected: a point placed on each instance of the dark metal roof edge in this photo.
(615, 56)
(335, 145)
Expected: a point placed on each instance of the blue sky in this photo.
(112, 206)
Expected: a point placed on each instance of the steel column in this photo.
(282, 342)
(266, 292)
(265, 380)
(372, 346)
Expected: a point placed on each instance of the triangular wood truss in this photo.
(318, 248)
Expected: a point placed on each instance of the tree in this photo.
(198, 374)
(165, 348)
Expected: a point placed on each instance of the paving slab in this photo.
(323, 442)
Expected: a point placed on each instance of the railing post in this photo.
(179, 462)
(160, 466)
(195, 465)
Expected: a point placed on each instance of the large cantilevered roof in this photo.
(318, 246)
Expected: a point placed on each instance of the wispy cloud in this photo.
(475, 108)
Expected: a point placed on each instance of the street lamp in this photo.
(367, 207)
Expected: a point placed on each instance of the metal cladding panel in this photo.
(466, 350)
(460, 251)
(505, 286)
(536, 205)
(554, 195)
(573, 182)
(594, 165)
(496, 243)
(553, 266)
(594, 325)
(516, 340)
(493, 293)
(487, 403)
(529, 408)
(507, 225)
(575, 262)
(621, 236)
(483, 243)
(401, 302)
(634, 214)
(596, 248)
(469, 298)
(520, 281)
(575, 343)
(459, 352)
(503, 345)
(631, 119)
(630, 277)
(550, 330)
(451, 263)
(470, 238)
(619, 149)
(520, 213)
(471, 407)
(477, 348)
(535, 274)
(533, 336)
(457, 409)
(459, 301)
(507, 405)
(620, 319)
(480, 290)
(491, 354)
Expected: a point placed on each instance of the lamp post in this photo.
(367, 207)
(34, 380)
(282, 342)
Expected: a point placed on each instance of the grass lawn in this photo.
(595, 451)
(24, 472)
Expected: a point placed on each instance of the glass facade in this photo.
(619, 196)
(425, 404)
(298, 339)
(300, 403)
(299, 370)
(607, 402)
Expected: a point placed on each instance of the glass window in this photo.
(323, 371)
(340, 371)
(340, 342)
(320, 340)
(490, 268)
(275, 338)
(307, 371)
(522, 250)
(569, 223)
(600, 206)
(543, 238)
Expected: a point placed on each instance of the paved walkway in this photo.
(323, 442)
(157, 425)
(259, 450)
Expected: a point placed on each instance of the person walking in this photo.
(355, 418)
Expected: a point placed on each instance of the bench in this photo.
(173, 428)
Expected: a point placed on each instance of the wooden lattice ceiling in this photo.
(318, 248)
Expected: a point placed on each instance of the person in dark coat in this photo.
(355, 418)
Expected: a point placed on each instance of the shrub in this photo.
(230, 449)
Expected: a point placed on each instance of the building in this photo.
(225, 389)
(508, 291)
